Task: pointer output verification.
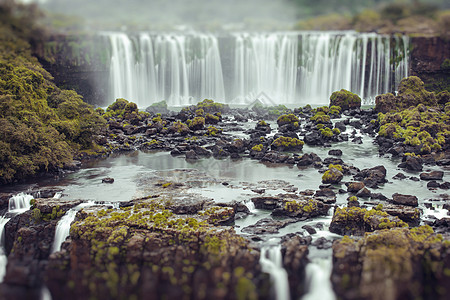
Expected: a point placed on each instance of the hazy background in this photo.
(205, 14)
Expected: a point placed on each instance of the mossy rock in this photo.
(284, 143)
(345, 100)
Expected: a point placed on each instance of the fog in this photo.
(162, 13)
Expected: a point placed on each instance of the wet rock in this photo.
(354, 187)
(309, 229)
(335, 152)
(295, 259)
(269, 203)
(407, 214)
(363, 193)
(399, 176)
(445, 185)
(412, 163)
(308, 159)
(313, 138)
(433, 175)
(357, 221)
(307, 208)
(322, 243)
(408, 200)
(108, 180)
(341, 126)
(267, 226)
(372, 177)
(390, 264)
(332, 176)
(433, 185)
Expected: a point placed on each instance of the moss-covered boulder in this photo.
(345, 100)
(302, 208)
(392, 264)
(357, 221)
(333, 175)
(284, 143)
(411, 92)
(145, 249)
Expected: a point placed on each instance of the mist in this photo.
(260, 14)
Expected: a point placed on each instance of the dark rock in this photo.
(412, 163)
(295, 259)
(269, 203)
(308, 159)
(378, 196)
(445, 185)
(341, 126)
(354, 187)
(325, 192)
(322, 243)
(433, 175)
(399, 176)
(309, 229)
(108, 180)
(191, 155)
(267, 226)
(408, 200)
(372, 177)
(363, 193)
(335, 152)
(433, 185)
(407, 214)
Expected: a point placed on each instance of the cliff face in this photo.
(78, 62)
(428, 57)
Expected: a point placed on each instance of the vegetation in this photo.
(42, 126)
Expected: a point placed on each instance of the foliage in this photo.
(41, 125)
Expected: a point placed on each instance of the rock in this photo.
(408, 200)
(313, 138)
(407, 214)
(269, 203)
(307, 208)
(357, 221)
(372, 177)
(308, 159)
(267, 226)
(108, 180)
(363, 193)
(322, 243)
(295, 259)
(309, 229)
(399, 176)
(412, 163)
(433, 185)
(354, 187)
(433, 175)
(390, 264)
(335, 152)
(345, 99)
(332, 176)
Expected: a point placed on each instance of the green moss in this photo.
(345, 99)
(213, 131)
(287, 143)
(320, 117)
(258, 148)
(288, 119)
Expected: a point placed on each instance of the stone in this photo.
(408, 200)
(433, 175)
(335, 152)
(108, 180)
(354, 187)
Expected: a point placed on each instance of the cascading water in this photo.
(17, 205)
(238, 68)
(3, 257)
(318, 284)
(272, 263)
(63, 227)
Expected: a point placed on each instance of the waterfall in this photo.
(63, 227)
(318, 284)
(3, 257)
(19, 203)
(272, 263)
(238, 68)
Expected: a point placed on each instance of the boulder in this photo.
(433, 175)
(408, 200)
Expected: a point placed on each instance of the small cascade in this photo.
(19, 203)
(63, 227)
(57, 195)
(250, 205)
(272, 263)
(318, 284)
(3, 257)
(238, 68)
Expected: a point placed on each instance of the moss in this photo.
(326, 132)
(198, 123)
(287, 143)
(36, 215)
(213, 131)
(288, 119)
(345, 100)
(353, 198)
(320, 117)
(257, 148)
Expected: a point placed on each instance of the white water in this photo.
(272, 263)
(19, 203)
(63, 227)
(276, 68)
(3, 257)
(318, 284)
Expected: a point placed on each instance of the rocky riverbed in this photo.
(228, 203)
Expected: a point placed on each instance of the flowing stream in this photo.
(318, 285)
